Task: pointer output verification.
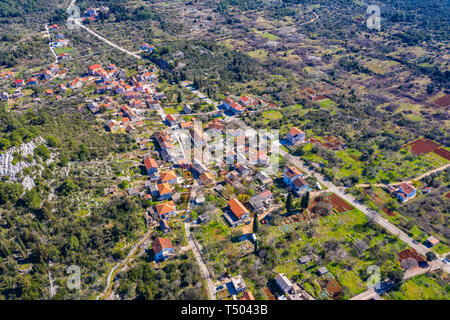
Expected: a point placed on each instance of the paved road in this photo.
(80, 24)
(349, 198)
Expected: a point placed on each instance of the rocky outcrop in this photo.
(7, 168)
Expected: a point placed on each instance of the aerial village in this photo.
(176, 183)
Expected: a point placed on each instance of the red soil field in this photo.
(443, 153)
(339, 204)
(423, 146)
(388, 212)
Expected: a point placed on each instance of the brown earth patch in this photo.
(423, 146)
(444, 153)
(339, 204)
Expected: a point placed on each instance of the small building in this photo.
(151, 165)
(4, 96)
(406, 192)
(166, 209)
(168, 176)
(304, 259)
(238, 213)
(163, 249)
(262, 201)
(238, 284)
(187, 109)
(133, 192)
(296, 136)
(284, 283)
(432, 241)
(321, 271)
(164, 226)
(263, 178)
(199, 200)
(93, 107)
(204, 219)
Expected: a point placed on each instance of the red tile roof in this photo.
(295, 131)
(237, 208)
(164, 208)
(161, 243)
(164, 188)
(168, 175)
(407, 188)
(150, 163)
(95, 67)
(292, 172)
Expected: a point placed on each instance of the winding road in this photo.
(105, 294)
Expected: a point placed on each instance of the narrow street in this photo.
(195, 250)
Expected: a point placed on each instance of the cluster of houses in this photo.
(147, 47)
(60, 41)
(49, 73)
(44, 75)
(244, 102)
(93, 14)
(293, 178)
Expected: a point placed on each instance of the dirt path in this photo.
(366, 185)
(107, 292)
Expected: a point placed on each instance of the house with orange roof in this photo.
(236, 108)
(147, 47)
(163, 249)
(94, 69)
(129, 112)
(166, 209)
(238, 213)
(246, 101)
(113, 126)
(215, 126)
(207, 178)
(406, 192)
(168, 176)
(171, 120)
(296, 136)
(151, 165)
(186, 125)
(32, 81)
(164, 191)
(290, 174)
(299, 186)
